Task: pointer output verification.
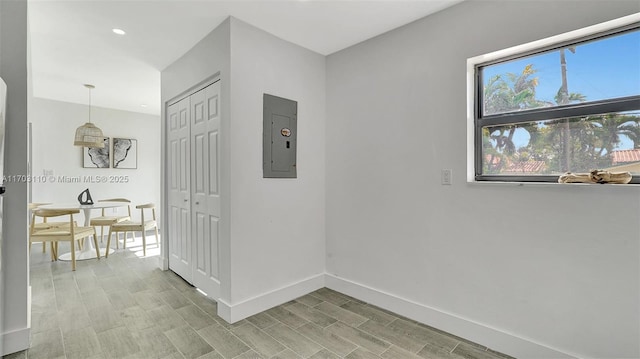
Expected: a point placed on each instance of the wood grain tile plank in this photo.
(362, 354)
(312, 315)
(196, 318)
(468, 351)
(223, 341)
(81, 344)
(286, 354)
(262, 320)
(393, 336)
(188, 342)
(293, 340)
(287, 317)
(258, 340)
(327, 339)
(369, 312)
(118, 343)
(423, 334)
(359, 337)
(343, 315)
(47, 344)
(154, 344)
(331, 296)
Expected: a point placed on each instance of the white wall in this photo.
(278, 225)
(53, 127)
(209, 57)
(533, 271)
(272, 230)
(13, 69)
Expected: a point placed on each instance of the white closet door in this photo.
(179, 181)
(205, 188)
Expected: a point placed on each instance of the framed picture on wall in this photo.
(125, 153)
(96, 157)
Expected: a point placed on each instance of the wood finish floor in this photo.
(125, 307)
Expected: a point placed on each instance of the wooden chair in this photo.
(107, 221)
(69, 232)
(39, 226)
(45, 224)
(131, 226)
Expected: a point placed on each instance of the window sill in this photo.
(546, 184)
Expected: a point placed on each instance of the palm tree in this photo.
(612, 126)
(511, 92)
(631, 129)
(505, 93)
(572, 144)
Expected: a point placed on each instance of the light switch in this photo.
(446, 176)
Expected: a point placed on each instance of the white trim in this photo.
(248, 307)
(16, 340)
(164, 165)
(163, 263)
(546, 42)
(224, 310)
(471, 126)
(550, 41)
(493, 338)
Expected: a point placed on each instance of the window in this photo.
(565, 104)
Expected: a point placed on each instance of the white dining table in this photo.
(88, 250)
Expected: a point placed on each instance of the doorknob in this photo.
(197, 202)
(186, 200)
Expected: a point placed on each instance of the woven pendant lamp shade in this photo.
(88, 135)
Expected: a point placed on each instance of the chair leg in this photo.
(95, 242)
(44, 247)
(144, 243)
(124, 240)
(101, 233)
(54, 254)
(73, 255)
(157, 242)
(106, 254)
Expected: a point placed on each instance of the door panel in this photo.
(214, 233)
(213, 165)
(194, 192)
(179, 189)
(205, 128)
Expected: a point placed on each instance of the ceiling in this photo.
(72, 42)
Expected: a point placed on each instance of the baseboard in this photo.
(20, 339)
(163, 263)
(246, 308)
(491, 337)
(15, 341)
(29, 298)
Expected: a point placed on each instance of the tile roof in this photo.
(525, 167)
(516, 167)
(625, 156)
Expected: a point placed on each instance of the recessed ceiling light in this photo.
(118, 31)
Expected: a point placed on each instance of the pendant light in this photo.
(88, 135)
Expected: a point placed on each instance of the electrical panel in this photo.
(280, 133)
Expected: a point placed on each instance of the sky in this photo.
(599, 70)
